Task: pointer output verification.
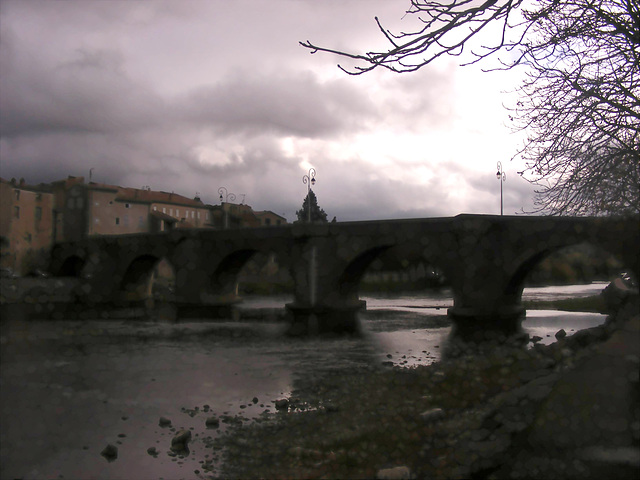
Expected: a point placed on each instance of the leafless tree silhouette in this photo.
(580, 100)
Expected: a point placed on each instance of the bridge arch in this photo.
(349, 280)
(72, 266)
(141, 276)
(518, 278)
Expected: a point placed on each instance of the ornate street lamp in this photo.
(309, 180)
(225, 199)
(502, 177)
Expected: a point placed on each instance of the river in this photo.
(69, 388)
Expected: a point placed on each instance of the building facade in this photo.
(27, 225)
(33, 218)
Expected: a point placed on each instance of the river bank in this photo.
(566, 410)
(72, 387)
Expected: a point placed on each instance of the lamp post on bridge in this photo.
(225, 199)
(502, 177)
(309, 180)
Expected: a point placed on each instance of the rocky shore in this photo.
(503, 408)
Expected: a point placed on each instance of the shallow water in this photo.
(68, 388)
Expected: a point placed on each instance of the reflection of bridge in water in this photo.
(485, 258)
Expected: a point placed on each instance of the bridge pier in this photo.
(309, 319)
(473, 322)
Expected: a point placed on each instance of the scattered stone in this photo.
(122, 435)
(282, 404)
(125, 418)
(536, 339)
(110, 452)
(561, 334)
(164, 422)
(152, 451)
(395, 473)
(255, 400)
(212, 422)
(181, 440)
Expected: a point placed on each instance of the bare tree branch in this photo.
(580, 100)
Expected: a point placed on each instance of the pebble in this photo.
(432, 415)
(164, 422)
(181, 440)
(110, 452)
(395, 473)
(212, 422)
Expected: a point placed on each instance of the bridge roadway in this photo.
(485, 258)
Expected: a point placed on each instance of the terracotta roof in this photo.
(151, 196)
(264, 213)
(41, 187)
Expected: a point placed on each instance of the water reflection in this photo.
(69, 388)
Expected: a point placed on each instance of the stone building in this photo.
(267, 218)
(27, 225)
(89, 209)
(33, 218)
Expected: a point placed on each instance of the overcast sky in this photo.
(190, 96)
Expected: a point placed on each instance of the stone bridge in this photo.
(485, 258)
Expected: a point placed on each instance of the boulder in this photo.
(282, 404)
(561, 334)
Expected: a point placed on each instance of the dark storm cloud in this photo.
(86, 92)
(294, 103)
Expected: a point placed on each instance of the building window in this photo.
(38, 196)
(79, 202)
(193, 214)
(267, 221)
(171, 211)
(17, 194)
(198, 215)
(126, 205)
(206, 215)
(16, 211)
(155, 208)
(278, 222)
(141, 222)
(38, 213)
(28, 237)
(164, 210)
(71, 204)
(117, 220)
(125, 220)
(177, 212)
